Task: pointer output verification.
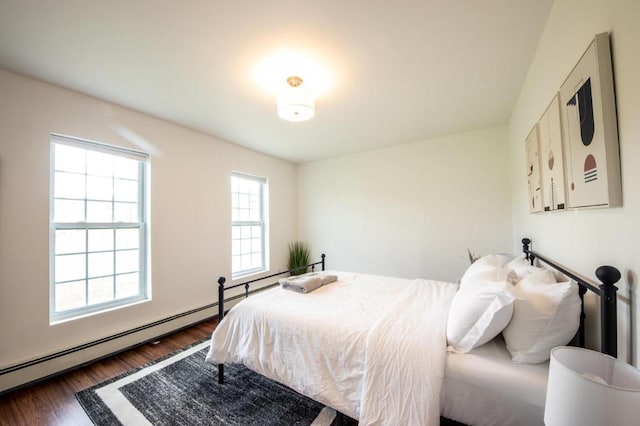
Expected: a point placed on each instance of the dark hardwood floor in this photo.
(52, 402)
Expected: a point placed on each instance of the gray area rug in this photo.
(181, 389)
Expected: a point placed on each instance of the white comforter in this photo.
(371, 347)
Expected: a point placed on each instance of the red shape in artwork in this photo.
(590, 169)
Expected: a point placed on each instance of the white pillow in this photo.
(545, 315)
(487, 268)
(521, 267)
(505, 258)
(478, 313)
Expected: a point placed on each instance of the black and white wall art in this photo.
(552, 158)
(588, 114)
(532, 148)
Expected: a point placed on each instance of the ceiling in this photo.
(384, 72)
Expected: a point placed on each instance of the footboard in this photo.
(246, 285)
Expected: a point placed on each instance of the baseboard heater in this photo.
(97, 342)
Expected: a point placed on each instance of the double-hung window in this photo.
(98, 227)
(248, 227)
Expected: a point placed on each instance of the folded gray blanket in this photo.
(307, 283)
(328, 278)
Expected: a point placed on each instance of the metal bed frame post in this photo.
(221, 282)
(608, 276)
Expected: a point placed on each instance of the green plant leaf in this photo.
(299, 254)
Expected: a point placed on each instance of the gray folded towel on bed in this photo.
(328, 278)
(302, 283)
(307, 283)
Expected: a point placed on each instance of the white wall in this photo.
(190, 218)
(586, 239)
(411, 210)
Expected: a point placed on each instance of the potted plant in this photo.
(299, 253)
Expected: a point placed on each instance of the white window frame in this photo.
(142, 225)
(262, 223)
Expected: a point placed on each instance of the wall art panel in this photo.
(552, 158)
(590, 130)
(533, 171)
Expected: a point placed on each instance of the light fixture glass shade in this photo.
(590, 388)
(296, 104)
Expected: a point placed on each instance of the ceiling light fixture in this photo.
(295, 103)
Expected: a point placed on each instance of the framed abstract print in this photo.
(532, 148)
(552, 158)
(590, 130)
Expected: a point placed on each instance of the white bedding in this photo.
(484, 387)
(344, 344)
(317, 344)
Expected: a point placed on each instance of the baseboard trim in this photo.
(91, 361)
(100, 341)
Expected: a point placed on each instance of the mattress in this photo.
(484, 387)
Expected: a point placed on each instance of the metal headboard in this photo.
(608, 276)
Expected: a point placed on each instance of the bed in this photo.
(374, 348)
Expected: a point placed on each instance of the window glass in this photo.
(99, 230)
(248, 229)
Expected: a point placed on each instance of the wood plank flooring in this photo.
(53, 402)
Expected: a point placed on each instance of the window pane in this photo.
(99, 164)
(127, 285)
(248, 186)
(69, 185)
(245, 261)
(99, 211)
(69, 158)
(243, 201)
(256, 260)
(100, 239)
(235, 247)
(254, 211)
(68, 211)
(70, 267)
(125, 212)
(70, 241)
(127, 261)
(234, 184)
(256, 245)
(235, 232)
(125, 190)
(127, 238)
(96, 189)
(235, 264)
(100, 264)
(125, 168)
(99, 188)
(254, 187)
(100, 290)
(245, 232)
(70, 295)
(245, 246)
(256, 232)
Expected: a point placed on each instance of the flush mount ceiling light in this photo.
(295, 103)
